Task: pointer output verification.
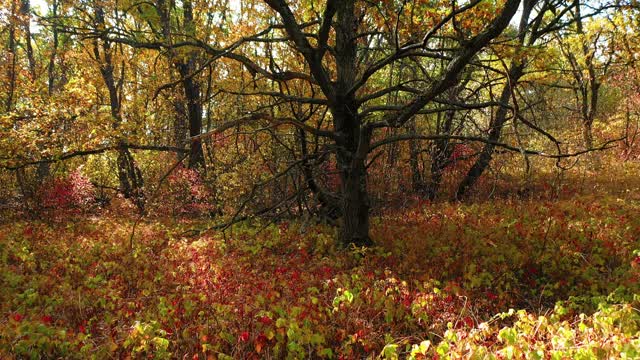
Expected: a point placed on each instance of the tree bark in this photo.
(192, 92)
(589, 89)
(352, 138)
(587, 134)
(194, 112)
(355, 204)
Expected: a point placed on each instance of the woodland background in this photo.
(322, 179)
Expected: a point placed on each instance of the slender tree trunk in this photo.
(43, 169)
(440, 155)
(25, 11)
(129, 175)
(51, 69)
(587, 134)
(589, 88)
(192, 93)
(441, 150)
(516, 70)
(11, 69)
(417, 181)
(194, 114)
(328, 206)
(495, 130)
(180, 128)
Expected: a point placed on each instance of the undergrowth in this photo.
(432, 287)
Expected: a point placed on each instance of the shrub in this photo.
(74, 192)
(185, 194)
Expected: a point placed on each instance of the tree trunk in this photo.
(180, 128)
(353, 147)
(417, 181)
(495, 130)
(51, 69)
(129, 175)
(351, 156)
(355, 206)
(440, 154)
(25, 11)
(587, 134)
(589, 87)
(353, 139)
(194, 113)
(192, 92)
(44, 168)
(516, 70)
(12, 57)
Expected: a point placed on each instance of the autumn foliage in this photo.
(440, 284)
(319, 179)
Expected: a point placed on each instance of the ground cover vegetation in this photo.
(319, 179)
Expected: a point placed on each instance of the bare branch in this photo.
(405, 137)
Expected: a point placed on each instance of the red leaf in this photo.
(244, 336)
(46, 319)
(468, 321)
(28, 231)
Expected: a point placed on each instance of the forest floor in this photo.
(442, 283)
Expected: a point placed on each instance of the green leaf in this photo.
(390, 352)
